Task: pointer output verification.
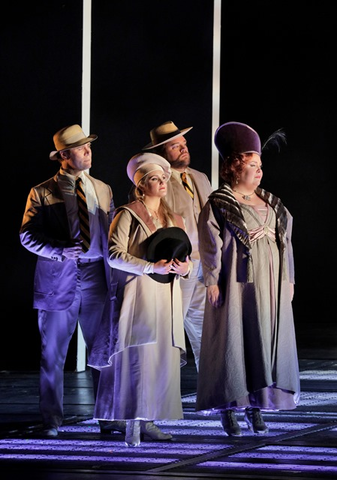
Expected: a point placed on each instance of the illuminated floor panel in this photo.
(301, 443)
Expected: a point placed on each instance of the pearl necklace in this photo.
(244, 196)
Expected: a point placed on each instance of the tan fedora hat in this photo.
(164, 133)
(69, 137)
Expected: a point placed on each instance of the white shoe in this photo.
(132, 435)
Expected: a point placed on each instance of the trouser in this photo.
(194, 297)
(57, 329)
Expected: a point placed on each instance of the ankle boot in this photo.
(152, 431)
(132, 435)
(230, 423)
(255, 421)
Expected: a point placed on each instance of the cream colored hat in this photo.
(69, 137)
(144, 163)
(164, 133)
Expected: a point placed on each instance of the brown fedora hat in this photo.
(164, 133)
(69, 137)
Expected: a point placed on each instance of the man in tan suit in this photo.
(72, 275)
(186, 196)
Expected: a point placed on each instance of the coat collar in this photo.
(224, 200)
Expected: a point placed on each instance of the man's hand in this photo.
(73, 252)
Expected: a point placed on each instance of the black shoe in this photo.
(255, 421)
(154, 432)
(107, 427)
(50, 431)
(230, 423)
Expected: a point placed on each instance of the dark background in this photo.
(152, 62)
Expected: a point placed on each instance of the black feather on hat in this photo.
(276, 139)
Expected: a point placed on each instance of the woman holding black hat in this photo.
(248, 351)
(143, 382)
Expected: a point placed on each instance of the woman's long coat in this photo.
(135, 297)
(234, 362)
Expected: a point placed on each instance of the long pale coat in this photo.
(135, 296)
(148, 343)
(235, 362)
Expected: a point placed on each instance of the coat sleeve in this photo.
(121, 235)
(42, 232)
(210, 244)
(291, 265)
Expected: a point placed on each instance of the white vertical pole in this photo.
(86, 83)
(216, 89)
(86, 66)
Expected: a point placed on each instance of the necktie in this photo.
(83, 216)
(186, 185)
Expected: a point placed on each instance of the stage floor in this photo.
(301, 443)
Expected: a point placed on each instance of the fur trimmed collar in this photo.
(225, 201)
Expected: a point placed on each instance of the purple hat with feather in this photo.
(236, 137)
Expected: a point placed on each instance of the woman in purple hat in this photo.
(248, 356)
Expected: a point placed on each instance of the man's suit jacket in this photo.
(45, 232)
(180, 202)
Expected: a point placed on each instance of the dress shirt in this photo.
(67, 185)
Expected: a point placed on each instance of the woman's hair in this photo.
(164, 208)
(232, 166)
